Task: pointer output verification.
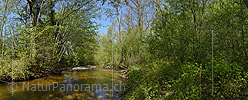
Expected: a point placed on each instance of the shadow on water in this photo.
(76, 85)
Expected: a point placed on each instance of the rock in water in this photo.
(82, 68)
(91, 66)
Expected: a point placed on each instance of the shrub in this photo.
(16, 70)
(163, 80)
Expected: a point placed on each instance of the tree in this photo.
(3, 24)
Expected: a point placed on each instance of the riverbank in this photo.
(18, 71)
(36, 73)
(45, 72)
(112, 67)
(124, 70)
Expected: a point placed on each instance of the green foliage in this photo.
(15, 70)
(145, 80)
(159, 80)
(108, 47)
(134, 48)
(50, 37)
(170, 58)
(174, 59)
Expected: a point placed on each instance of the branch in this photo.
(39, 12)
(246, 3)
(132, 8)
(74, 11)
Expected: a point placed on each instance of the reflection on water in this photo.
(82, 85)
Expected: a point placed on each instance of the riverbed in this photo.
(99, 84)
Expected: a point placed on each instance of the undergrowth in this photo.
(164, 80)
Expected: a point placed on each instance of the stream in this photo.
(100, 84)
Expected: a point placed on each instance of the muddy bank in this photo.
(45, 72)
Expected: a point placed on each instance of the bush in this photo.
(163, 80)
(145, 80)
(16, 70)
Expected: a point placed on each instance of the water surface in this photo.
(82, 85)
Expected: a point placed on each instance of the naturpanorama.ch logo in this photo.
(55, 86)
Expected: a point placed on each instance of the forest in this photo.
(171, 49)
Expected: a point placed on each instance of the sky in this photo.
(104, 21)
(104, 26)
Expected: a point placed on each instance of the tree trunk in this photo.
(13, 46)
(4, 24)
(32, 33)
(38, 17)
(30, 3)
(246, 3)
(120, 34)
